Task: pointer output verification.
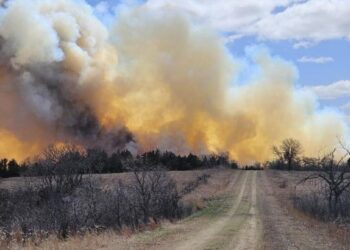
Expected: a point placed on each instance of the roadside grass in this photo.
(151, 237)
(214, 207)
(286, 195)
(207, 209)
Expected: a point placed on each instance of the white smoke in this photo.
(156, 79)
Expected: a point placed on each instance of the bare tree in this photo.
(155, 191)
(335, 174)
(288, 151)
(60, 168)
(63, 201)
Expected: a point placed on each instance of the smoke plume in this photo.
(154, 79)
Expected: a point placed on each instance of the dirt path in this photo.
(237, 228)
(250, 233)
(256, 219)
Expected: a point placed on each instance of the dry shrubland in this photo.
(327, 193)
(63, 199)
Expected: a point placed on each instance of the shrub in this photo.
(50, 208)
(327, 197)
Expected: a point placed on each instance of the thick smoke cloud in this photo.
(45, 47)
(155, 80)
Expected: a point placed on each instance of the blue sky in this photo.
(312, 34)
(309, 73)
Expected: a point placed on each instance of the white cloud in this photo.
(312, 20)
(232, 38)
(318, 60)
(222, 14)
(303, 45)
(102, 7)
(332, 91)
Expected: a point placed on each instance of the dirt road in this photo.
(251, 216)
(229, 231)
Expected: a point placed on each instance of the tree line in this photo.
(10, 168)
(288, 156)
(102, 162)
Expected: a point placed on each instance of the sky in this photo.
(312, 34)
(197, 76)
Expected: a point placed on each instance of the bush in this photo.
(191, 186)
(60, 169)
(328, 194)
(63, 198)
(256, 166)
(315, 202)
(62, 201)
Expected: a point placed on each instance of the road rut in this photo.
(237, 228)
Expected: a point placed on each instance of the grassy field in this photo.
(234, 210)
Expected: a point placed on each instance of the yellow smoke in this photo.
(13, 148)
(168, 80)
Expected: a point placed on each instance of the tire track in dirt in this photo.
(249, 235)
(221, 233)
(271, 218)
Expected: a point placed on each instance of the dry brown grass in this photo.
(105, 240)
(126, 239)
(338, 233)
(283, 226)
(181, 178)
(13, 183)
